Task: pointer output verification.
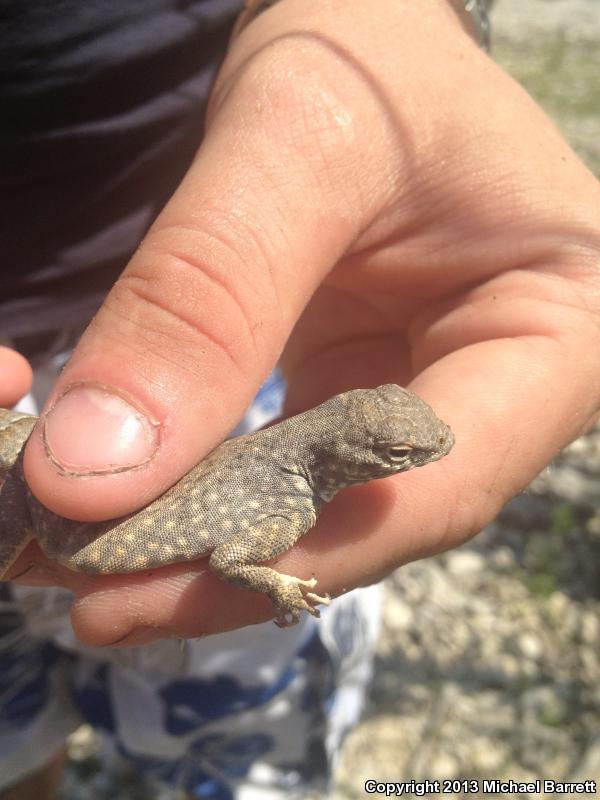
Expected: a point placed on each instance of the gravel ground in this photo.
(489, 662)
(489, 665)
(552, 47)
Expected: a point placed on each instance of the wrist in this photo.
(474, 16)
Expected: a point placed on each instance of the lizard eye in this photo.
(399, 452)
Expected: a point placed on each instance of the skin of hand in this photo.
(375, 201)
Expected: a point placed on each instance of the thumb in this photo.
(204, 308)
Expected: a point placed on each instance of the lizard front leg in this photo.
(236, 560)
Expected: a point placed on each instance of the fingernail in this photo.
(92, 430)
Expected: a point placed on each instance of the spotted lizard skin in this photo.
(248, 501)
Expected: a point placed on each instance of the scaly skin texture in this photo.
(251, 499)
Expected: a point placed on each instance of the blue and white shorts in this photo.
(257, 712)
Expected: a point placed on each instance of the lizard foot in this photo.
(291, 597)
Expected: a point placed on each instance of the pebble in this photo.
(503, 558)
(530, 646)
(464, 563)
(590, 627)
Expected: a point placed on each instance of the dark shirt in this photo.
(102, 106)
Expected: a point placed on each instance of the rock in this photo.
(443, 765)
(557, 605)
(399, 615)
(590, 628)
(530, 646)
(508, 668)
(589, 763)
(464, 563)
(503, 558)
(489, 754)
(543, 705)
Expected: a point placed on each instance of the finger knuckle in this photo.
(184, 293)
(301, 80)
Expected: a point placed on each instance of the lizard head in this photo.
(381, 432)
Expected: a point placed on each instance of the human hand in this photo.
(379, 198)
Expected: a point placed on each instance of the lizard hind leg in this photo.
(15, 522)
(293, 591)
(237, 560)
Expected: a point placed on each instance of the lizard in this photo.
(247, 502)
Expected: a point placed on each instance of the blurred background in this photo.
(489, 662)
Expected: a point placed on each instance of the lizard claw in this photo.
(291, 599)
(325, 600)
